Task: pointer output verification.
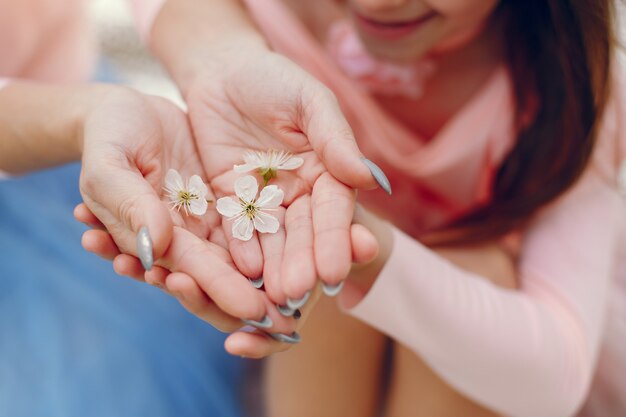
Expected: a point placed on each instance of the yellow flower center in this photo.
(185, 197)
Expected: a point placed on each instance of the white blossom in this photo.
(191, 196)
(249, 212)
(268, 163)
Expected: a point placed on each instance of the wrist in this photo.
(197, 37)
(41, 125)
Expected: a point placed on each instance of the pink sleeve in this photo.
(526, 352)
(144, 13)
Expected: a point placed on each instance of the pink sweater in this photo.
(527, 352)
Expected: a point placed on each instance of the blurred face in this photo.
(404, 30)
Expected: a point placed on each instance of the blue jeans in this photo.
(77, 340)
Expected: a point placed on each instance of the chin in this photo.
(394, 52)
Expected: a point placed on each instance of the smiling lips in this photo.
(391, 30)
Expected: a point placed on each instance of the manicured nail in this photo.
(332, 290)
(378, 175)
(285, 311)
(297, 314)
(266, 323)
(257, 283)
(296, 304)
(144, 248)
(284, 338)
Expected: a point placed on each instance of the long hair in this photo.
(559, 53)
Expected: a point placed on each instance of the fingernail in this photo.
(378, 175)
(297, 314)
(285, 311)
(257, 283)
(332, 290)
(266, 323)
(144, 248)
(284, 338)
(248, 329)
(296, 304)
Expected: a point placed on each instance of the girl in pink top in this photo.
(498, 125)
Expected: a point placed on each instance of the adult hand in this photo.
(130, 142)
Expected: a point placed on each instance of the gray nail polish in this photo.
(332, 290)
(257, 283)
(285, 311)
(144, 248)
(266, 323)
(296, 304)
(284, 338)
(378, 175)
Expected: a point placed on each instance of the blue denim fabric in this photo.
(77, 340)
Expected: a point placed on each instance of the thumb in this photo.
(333, 140)
(129, 206)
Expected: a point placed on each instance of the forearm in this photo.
(41, 125)
(193, 36)
(492, 343)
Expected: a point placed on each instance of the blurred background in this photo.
(131, 61)
(123, 49)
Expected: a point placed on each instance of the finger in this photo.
(156, 277)
(255, 345)
(364, 244)
(84, 215)
(246, 254)
(333, 140)
(298, 272)
(191, 296)
(101, 243)
(332, 208)
(273, 246)
(205, 262)
(125, 202)
(129, 266)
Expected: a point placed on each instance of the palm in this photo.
(254, 115)
(130, 144)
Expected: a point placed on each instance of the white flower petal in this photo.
(246, 188)
(198, 206)
(228, 207)
(173, 181)
(253, 158)
(265, 223)
(197, 186)
(243, 228)
(292, 163)
(244, 167)
(271, 197)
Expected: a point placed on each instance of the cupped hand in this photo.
(261, 101)
(130, 142)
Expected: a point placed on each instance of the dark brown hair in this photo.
(559, 54)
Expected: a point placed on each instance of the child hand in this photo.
(259, 100)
